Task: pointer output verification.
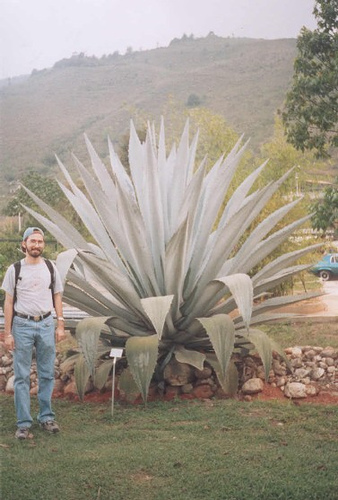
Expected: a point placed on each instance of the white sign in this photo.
(116, 353)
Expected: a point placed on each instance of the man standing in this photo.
(29, 299)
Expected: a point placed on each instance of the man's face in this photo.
(34, 245)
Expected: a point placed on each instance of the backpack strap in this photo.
(52, 277)
(17, 269)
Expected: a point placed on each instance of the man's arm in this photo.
(8, 313)
(60, 323)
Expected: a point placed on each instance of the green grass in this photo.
(303, 333)
(180, 450)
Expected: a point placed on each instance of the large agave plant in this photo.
(168, 273)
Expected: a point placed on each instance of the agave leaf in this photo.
(275, 280)
(91, 220)
(128, 386)
(106, 182)
(106, 207)
(102, 373)
(238, 197)
(263, 345)
(68, 363)
(213, 196)
(78, 298)
(193, 358)
(82, 374)
(276, 347)
(78, 287)
(152, 211)
(142, 354)
(275, 302)
(179, 181)
(266, 246)
(64, 260)
(136, 154)
(87, 334)
(282, 261)
(157, 309)
(241, 288)
(120, 173)
(118, 284)
(264, 318)
(263, 229)
(221, 332)
(57, 226)
(174, 267)
(229, 383)
(134, 244)
(220, 245)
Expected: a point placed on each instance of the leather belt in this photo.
(33, 318)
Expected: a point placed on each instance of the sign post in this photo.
(114, 353)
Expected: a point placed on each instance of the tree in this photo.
(47, 189)
(311, 107)
(326, 211)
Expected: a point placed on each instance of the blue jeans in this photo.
(27, 334)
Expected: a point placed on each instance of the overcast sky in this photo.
(37, 33)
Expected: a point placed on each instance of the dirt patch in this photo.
(326, 396)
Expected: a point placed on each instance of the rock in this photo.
(70, 388)
(34, 391)
(203, 374)
(317, 349)
(281, 381)
(311, 390)
(329, 352)
(10, 385)
(301, 373)
(329, 361)
(278, 368)
(187, 388)
(172, 393)
(177, 374)
(295, 390)
(253, 386)
(310, 354)
(247, 398)
(317, 373)
(3, 382)
(58, 386)
(294, 352)
(260, 373)
(210, 381)
(6, 360)
(203, 391)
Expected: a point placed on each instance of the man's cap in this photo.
(30, 230)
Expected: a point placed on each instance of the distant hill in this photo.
(244, 80)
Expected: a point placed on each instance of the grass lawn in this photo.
(300, 333)
(179, 450)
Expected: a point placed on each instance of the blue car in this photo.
(326, 268)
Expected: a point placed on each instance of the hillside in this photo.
(244, 80)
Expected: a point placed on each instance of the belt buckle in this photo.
(36, 318)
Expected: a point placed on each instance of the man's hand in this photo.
(9, 342)
(59, 332)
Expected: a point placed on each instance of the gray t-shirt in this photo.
(34, 296)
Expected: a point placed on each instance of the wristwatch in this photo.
(60, 318)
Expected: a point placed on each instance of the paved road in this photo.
(331, 298)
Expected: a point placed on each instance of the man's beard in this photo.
(34, 253)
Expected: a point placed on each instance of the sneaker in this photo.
(22, 433)
(50, 426)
